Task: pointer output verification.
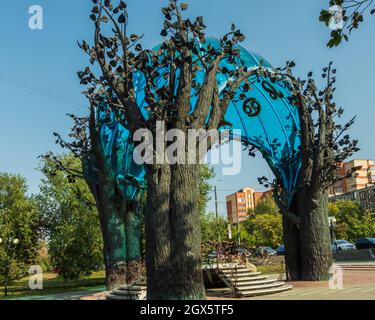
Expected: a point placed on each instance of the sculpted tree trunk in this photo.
(323, 146)
(307, 243)
(112, 220)
(112, 211)
(121, 224)
(133, 230)
(158, 233)
(291, 236)
(186, 262)
(120, 219)
(315, 244)
(174, 266)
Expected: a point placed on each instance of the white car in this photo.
(342, 245)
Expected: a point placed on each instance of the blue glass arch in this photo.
(119, 149)
(266, 117)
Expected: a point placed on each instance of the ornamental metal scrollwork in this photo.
(252, 107)
(293, 100)
(273, 92)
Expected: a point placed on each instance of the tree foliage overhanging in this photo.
(18, 220)
(70, 221)
(353, 16)
(353, 222)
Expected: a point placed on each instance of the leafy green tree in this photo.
(353, 222)
(205, 173)
(19, 228)
(247, 238)
(213, 228)
(267, 206)
(265, 228)
(70, 221)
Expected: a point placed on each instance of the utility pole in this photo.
(217, 213)
(229, 232)
(238, 229)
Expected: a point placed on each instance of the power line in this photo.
(42, 92)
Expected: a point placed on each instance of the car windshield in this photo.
(342, 242)
(371, 239)
(268, 248)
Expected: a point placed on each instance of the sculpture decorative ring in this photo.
(273, 92)
(252, 107)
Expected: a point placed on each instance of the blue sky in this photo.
(47, 60)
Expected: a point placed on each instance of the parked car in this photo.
(270, 251)
(365, 243)
(342, 245)
(243, 252)
(212, 255)
(280, 251)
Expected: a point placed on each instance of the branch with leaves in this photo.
(175, 63)
(353, 12)
(325, 143)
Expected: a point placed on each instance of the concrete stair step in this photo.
(241, 267)
(115, 297)
(135, 287)
(354, 255)
(252, 293)
(239, 271)
(359, 269)
(275, 284)
(242, 275)
(244, 279)
(127, 292)
(255, 282)
(359, 266)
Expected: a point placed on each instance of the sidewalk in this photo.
(72, 295)
(357, 285)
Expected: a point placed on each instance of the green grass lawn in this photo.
(271, 269)
(52, 285)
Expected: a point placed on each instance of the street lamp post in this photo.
(332, 225)
(238, 230)
(8, 246)
(217, 212)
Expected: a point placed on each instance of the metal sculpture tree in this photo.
(173, 258)
(324, 144)
(116, 183)
(193, 82)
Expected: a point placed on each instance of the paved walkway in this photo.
(357, 284)
(363, 292)
(72, 295)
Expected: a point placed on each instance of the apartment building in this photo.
(240, 202)
(365, 196)
(365, 177)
